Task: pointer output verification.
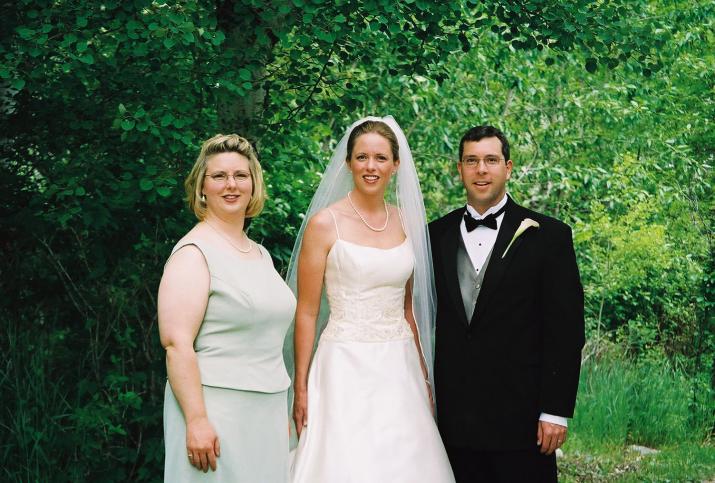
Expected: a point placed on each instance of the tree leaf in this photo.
(146, 184)
(18, 84)
(245, 74)
(87, 59)
(218, 38)
(164, 191)
(25, 33)
(166, 119)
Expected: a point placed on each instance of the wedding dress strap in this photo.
(335, 221)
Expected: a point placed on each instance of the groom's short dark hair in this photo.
(478, 133)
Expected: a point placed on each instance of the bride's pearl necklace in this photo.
(387, 215)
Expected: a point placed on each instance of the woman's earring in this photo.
(203, 198)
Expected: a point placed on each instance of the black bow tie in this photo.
(490, 221)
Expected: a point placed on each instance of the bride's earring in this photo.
(203, 198)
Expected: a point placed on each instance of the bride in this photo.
(363, 408)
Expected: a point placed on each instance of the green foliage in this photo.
(609, 108)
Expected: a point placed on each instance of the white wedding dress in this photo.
(369, 417)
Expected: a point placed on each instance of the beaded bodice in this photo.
(366, 292)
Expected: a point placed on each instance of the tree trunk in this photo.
(243, 114)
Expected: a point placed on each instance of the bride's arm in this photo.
(410, 317)
(319, 236)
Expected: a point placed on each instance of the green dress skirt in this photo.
(252, 428)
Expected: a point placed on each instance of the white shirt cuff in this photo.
(550, 418)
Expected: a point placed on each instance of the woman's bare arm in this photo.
(319, 236)
(182, 300)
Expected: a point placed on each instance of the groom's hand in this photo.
(550, 436)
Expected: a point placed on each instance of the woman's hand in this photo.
(429, 396)
(300, 410)
(202, 445)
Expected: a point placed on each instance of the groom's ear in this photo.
(509, 166)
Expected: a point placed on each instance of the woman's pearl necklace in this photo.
(250, 245)
(387, 215)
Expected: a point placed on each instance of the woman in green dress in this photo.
(223, 315)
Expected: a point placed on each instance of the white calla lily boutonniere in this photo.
(526, 223)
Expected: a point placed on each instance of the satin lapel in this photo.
(450, 245)
(497, 265)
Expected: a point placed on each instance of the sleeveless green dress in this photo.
(239, 348)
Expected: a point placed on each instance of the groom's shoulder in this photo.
(546, 222)
(446, 220)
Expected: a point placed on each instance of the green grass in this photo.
(647, 403)
(684, 462)
(689, 460)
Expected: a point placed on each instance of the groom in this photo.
(509, 328)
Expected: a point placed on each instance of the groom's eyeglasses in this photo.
(488, 161)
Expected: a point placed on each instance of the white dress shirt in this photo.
(479, 242)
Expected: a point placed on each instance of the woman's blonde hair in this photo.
(225, 143)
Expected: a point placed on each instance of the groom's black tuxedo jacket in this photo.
(520, 354)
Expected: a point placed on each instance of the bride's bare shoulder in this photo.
(324, 220)
(326, 215)
(393, 209)
(323, 224)
(320, 220)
